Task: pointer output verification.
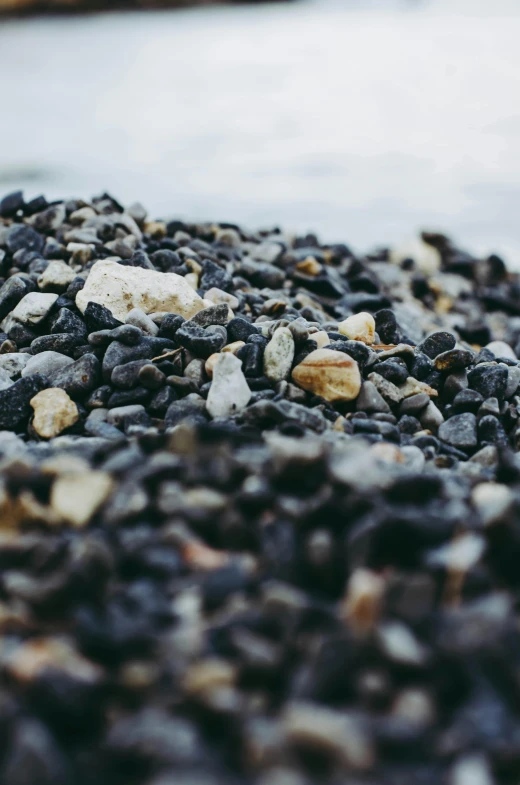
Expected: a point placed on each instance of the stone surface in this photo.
(56, 277)
(76, 497)
(229, 392)
(460, 431)
(54, 412)
(359, 327)
(120, 289)
(46, 363)
(279, 355)
(332, 375)
(32, 308)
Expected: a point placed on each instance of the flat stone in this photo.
(32, 308)
(121, 288)
(333, 375)
(279, 355)
(229, 392)
(460, 431)
(54, 412)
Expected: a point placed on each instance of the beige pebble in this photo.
(193, 280)
(321, 338)
(209, 365)
(233, 347)
(412, 387)
(54, 411)
(56, 277)
(332, 375)
(359, 327)
(120, 289)
(76, 497)
(309, 266)
(218, 296)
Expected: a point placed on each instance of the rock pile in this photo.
(259, 504)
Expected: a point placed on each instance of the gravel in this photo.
(275, 541)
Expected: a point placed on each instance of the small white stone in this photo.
(493, 501)
(229, 392)
(56, 276)
(54, 411)
(32, 308)
(14, 362)
(359, 327)
(321, 338)
(76, 497)
(120, 289)
(138, 318)
(501, 349)
(218, 296)
(427, 258)
(279, 355)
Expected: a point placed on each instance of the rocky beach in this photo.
(259, 505)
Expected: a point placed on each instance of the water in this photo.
(362, 121)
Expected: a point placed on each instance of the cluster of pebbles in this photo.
(259, 506)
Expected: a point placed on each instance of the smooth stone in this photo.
(437, 343)
(56, 277)
(121, 288)
(414, 404)
(120, 414)
(126, 376)
(54, 412)
(279, 355)
(460, 431)
(32, 308)
(388, 390)
(46, 363)
(359, 327)
(138, 318)
(11, 292)
(229, 392)
(501, 349)
(219, 296)
(513, 380)
(492, 500)
(76, 497)
(239, 329)
(453, 360)
(386, 325)
(431, 418)
(467, 401)
(332, 375)
(21, 236)
(370, 400)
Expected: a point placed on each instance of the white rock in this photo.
(120, 289)
(54, 411)
(493, 501)
(279, 355)
(56, 276)
(76, 497)
(5, 380)
(218, 296)
(321, 338)
(229, 392)
(138, 318)
(32, 308)
(359, 327)
(46, 363)
(14, 362)
(501, 349)
(427, 258)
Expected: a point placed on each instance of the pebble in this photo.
(76, 497)
(360, 327)
(279, 355)
(54, 412)
(32, 308)
(46, 363)
(229, 392)
(246, 564)
(460, 431)
(332, 375)
(120, 289)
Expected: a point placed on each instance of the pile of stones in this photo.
(259, 506)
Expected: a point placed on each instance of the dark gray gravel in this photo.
(218, 569)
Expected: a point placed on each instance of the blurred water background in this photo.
(363, 121)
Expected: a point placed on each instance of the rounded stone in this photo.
(54, 412)
(333, 375)
(359, 327)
